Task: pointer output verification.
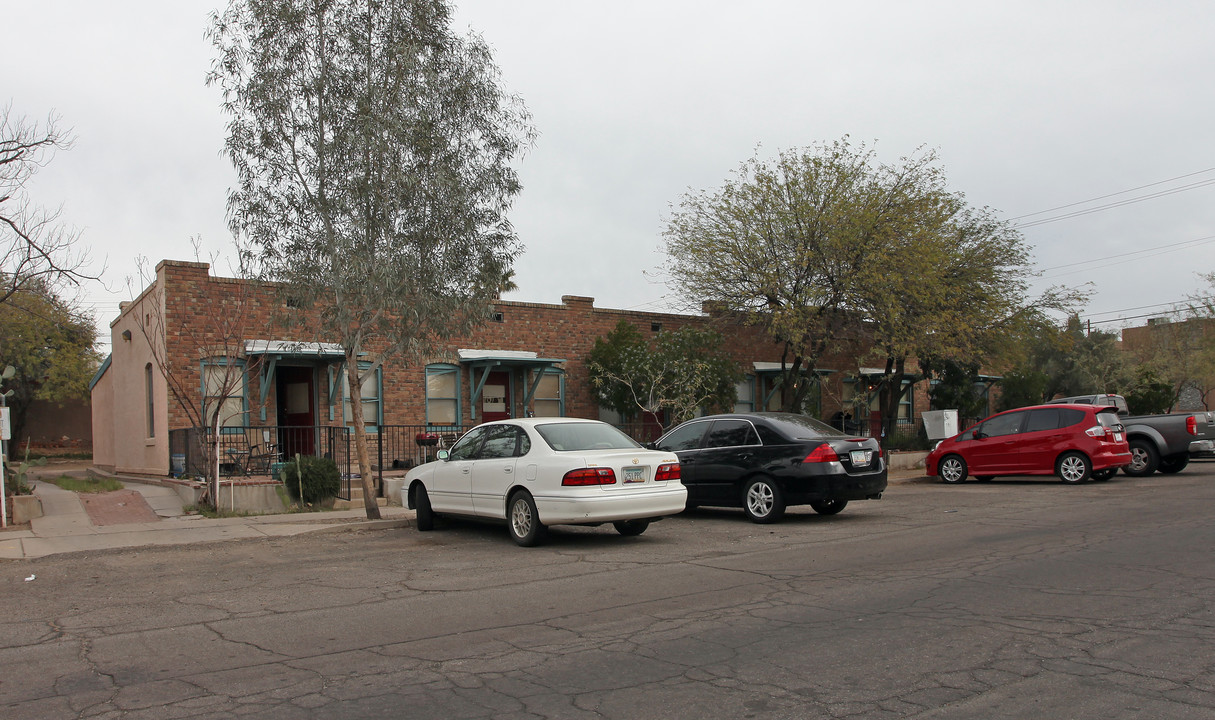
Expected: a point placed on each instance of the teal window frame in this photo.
(560, 374)
(244, 393)
(343, 388)
(751, 382)
(443, 369)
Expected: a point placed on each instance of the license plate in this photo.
(1117, 437)
(860, 458)
(634, 474)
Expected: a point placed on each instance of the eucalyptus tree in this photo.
(374, 149)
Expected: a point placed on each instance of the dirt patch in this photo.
(118, 507)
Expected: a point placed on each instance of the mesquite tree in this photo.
(374, 150)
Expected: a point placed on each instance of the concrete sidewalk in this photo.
(66, 526)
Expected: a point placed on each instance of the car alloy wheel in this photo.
(953, 469)
(524, 521)
(1073, 468)
(762, 501)
(1144, 459)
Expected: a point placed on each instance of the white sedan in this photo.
(537, 472)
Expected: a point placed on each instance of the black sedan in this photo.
(765, 462)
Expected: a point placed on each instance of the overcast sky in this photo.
(1032, 107)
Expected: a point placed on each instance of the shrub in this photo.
(318, 478)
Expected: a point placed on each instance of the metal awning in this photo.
(294, 349)
(486, 361)
(765, 368)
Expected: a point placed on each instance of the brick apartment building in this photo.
(530, 359)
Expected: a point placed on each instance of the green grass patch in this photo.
(85, 485)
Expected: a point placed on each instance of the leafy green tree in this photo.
(1150, 393)
(50, 343)
(827, 245)
(1021, 387)
(777, 244)
(959, 388)
(679, 371)
(374, 150)
(1060, 362)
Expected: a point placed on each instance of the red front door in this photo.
(495, 397)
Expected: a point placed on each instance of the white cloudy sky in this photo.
(1031, 106)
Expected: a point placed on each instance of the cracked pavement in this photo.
(1009, 599)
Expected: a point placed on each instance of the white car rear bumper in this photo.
(611, 506)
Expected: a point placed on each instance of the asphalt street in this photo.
(1008, 599)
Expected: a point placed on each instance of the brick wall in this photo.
(207, 315)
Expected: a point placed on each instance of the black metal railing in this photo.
(397, 447)
(259, 451)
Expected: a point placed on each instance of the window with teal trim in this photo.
(370, 394)
(442, 395)
(745, 392)
(549, 400)
(224, 389)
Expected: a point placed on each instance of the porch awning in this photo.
(486, 361)
(293, 349)
(774, 367)
(274, 350)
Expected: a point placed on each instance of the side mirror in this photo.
(980, 435)
(441, 455)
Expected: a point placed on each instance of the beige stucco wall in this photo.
(134, 450)
(102, 407)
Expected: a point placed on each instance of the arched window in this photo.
(150, 403)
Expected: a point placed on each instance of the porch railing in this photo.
(259, 451)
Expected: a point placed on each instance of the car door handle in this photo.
(508, 470)
(464, 469)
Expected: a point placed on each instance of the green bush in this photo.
(317, 478)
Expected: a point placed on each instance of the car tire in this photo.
(828, 507)
(1173, 464)
(425, 516)
(1144, 458)
(1103, 475)
(524, 521)
(630, 528)
(763, 501)
(1073, 468)
(952, 469)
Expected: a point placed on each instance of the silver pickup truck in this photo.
(1158, 442)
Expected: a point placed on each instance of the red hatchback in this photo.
(1075, 442)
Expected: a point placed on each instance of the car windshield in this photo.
(566, 437)
(801, 427)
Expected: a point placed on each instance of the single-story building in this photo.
(289, 396)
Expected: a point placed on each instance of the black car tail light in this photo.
(822, 453)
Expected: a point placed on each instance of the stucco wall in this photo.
(134, 449)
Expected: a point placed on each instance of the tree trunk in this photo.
(360, 435)
(891, 394)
